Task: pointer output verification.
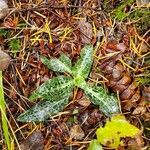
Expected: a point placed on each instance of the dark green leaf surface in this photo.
(42, 111)
(63, 64)
(54, 89)
(107, 103)
(83, 66)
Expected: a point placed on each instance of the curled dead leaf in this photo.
(4, 60)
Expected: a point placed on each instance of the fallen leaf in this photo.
(94, 145)
(5, 60)
(84, 101)
(136, 143)
(90, 117)
(33, 142)
(114, 130)
(140, 109)
(86, 31)
(76, 132)
(146, 94)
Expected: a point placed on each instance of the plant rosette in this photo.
(55, 92)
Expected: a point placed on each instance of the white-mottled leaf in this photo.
(63, 64)
(43, 110)
(83, 65)
(54, 89)
(107, 103)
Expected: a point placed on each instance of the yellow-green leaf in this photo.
(114, 130)
(94, 145)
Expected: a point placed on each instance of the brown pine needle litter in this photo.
(119, 32)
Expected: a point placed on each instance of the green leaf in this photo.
(114, 130)
(80, 82)
(83, 65)
(107, 103)
(42, 111)
(94, 145)
(63, 64)
(119, 12)
(15, 45)
(3, 32)
(145, 80)
(3, 116)
(54, 89)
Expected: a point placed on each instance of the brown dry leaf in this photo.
(4, 60)
(86, 31)
(76, 132)
(144, 48)
(89, 118)
(136, 143)
(33, 142)
(84, 101)
(3, 9)
(79, 94)
(146, 94)
(140, 109)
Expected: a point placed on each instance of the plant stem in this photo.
(3, 113)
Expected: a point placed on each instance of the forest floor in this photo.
(50, 27)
